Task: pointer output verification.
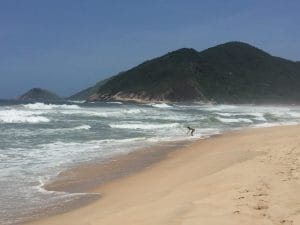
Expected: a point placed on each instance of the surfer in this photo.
(191, 129)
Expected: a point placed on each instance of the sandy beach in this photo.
(244, 177)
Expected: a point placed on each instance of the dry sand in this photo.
(249, 177)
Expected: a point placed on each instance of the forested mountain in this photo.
(233, 72)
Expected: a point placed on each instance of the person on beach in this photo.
(191, 129)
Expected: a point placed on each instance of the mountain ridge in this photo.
(233, 72)
(82, 95)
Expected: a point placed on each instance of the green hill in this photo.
(233, 72)
(38, 94)
(84, 94)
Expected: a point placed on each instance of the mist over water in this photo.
(39, 140)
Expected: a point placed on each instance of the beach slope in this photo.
(248, 177)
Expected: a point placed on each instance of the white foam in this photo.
(266, 125)
(143, 126)
(77, 101)
(274, 124)
(294, 114)
(40, 188)
(208, 131)
(161, 105)
(82, 127)
(3, 157)
(218, 107)
(91, 113)
(20, 116)
(43, 106)
(62, 153)
(257, 115)
(119, 103)
(233, 120)
(103, 112)
(115, 141)
(54, 130)
(133, 111)
(225, 114)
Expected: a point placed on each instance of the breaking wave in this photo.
(16, 116)
(77, 101)
(161, 105)
(219, 107)
(233, 120)
(43, 106)
(104, 112)
(274, 124)
(119, 103)
(82, 127)
(143, 126)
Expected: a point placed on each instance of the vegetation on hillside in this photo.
(233, 72)
(84, 94)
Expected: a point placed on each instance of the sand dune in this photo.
(249, 177)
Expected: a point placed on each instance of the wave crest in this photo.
(82, 127)
(161, 105)
(17, 116)
(233, 120)
(143, 126)
(43, 106)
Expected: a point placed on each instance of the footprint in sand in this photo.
(287, 222)
(262, 204)
(237, 212)
(260, 194)
(244, 191)
(265, 185)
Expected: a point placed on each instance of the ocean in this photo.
(38, 140)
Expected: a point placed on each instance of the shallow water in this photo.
(39, 140)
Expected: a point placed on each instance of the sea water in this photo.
(38, 140)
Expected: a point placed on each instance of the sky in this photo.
(68, 45)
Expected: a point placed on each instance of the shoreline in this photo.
(84, 178)
(197, 174)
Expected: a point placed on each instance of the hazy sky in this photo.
(68, 45)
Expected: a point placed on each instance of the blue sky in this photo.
(68, 45)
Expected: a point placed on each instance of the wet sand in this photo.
(86, 177)
(243, 177)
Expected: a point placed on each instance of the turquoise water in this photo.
(39, 140)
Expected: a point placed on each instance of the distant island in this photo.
(234, 73)
(39, 94)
